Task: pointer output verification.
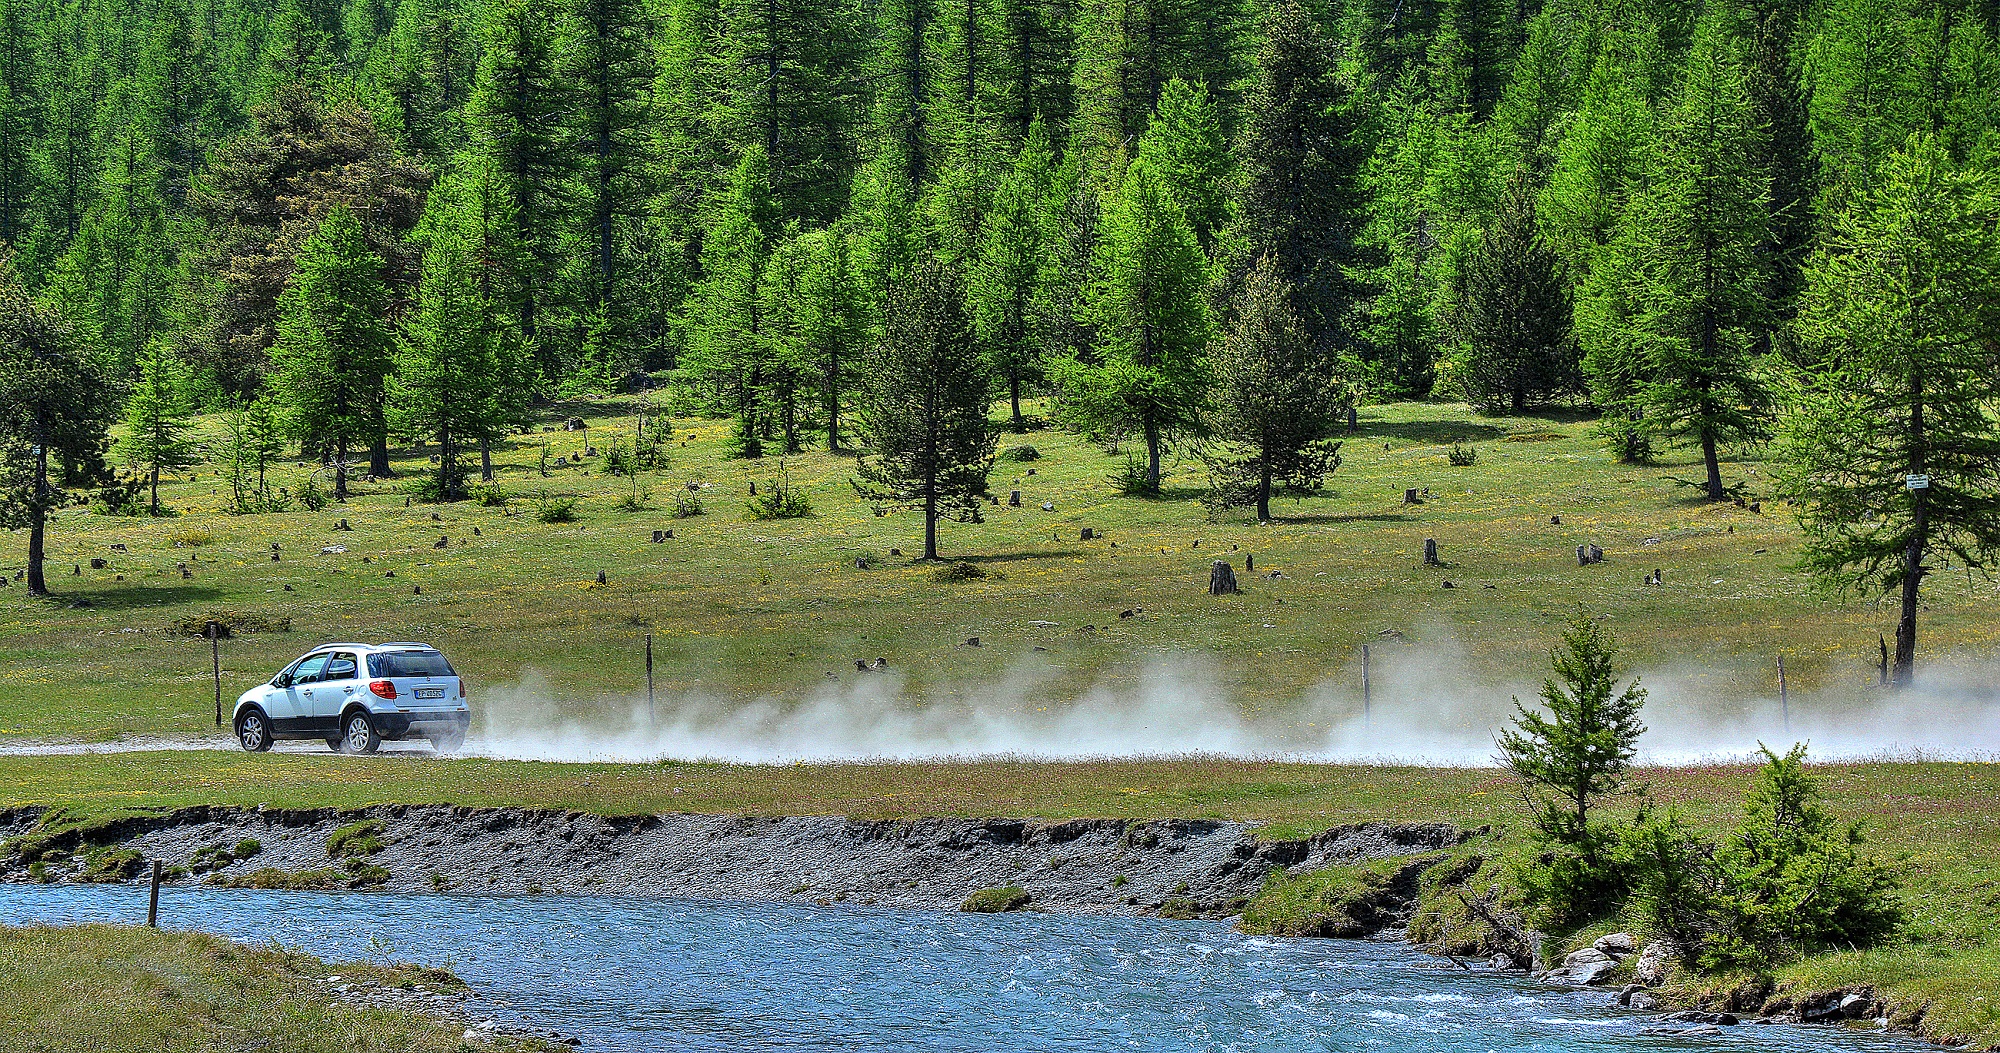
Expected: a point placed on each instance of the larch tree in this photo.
(923, 406)
(1006, 274)
(1891, 451)
(56, 407)
(1279, 398)
(832, 327)
(156, 412)
(726, 352)
(1147, 305)
(609, 59)
(448, 380)
(332, 354)
(1187, 144)
(1690, 271)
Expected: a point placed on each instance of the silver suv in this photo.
(356, 695)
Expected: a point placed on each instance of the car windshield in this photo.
(408, 663)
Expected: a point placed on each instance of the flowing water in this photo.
(660, 975)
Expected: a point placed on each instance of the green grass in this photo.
(743, 609)
(995, 900)
(1342, 901)
(1933, 822)
(112, 989)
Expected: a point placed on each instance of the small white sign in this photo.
(1916, 482)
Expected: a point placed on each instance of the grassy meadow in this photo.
(777, 609)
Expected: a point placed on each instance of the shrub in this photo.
(1131, 481)
(190, 537)
(1022, 453)
(310, 495)
(687, 505)
(489, 495)
(960, 571)
(248, 848)
(112, 865)
(995, 900)
(550, 508)
(1627, 436)
(1462, 456)
(355, 840)
(780, 500)
(284, 880)
(1179, 908)
(1788, 879)
(425, 490)
(637, 501)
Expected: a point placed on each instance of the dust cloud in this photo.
(1426, 707)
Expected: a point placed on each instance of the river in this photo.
(674, 975)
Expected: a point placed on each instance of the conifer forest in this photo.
(879, 225)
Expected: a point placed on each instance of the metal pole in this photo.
(1365, 700)
(649, 678)
(1784, 699)
(153, 901)
(215, 663)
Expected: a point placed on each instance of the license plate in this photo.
(430, 692)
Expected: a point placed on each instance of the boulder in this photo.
(1651, 969)
(1617, 944)
(1586, 966)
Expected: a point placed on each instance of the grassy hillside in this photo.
(742, 608)
(1933, 822)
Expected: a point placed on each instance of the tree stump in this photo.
(1353, 420)
(442, 542)
(1013, 498)
(1588, 554)
(342, 525)
(1555, 520)
(659, 536)
(1222, 579)
(97, 564)
(1249, 562)
(1410, 497)
(600, 577)
(1431, 553)
(1086, 534)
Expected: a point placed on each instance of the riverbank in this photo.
(849, 833)
(118, 989)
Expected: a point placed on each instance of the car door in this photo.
(338, 682)
(295, 696)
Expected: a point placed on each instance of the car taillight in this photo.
(461, 688)
(383, 688)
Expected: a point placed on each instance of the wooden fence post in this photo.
(649, 678)
(1784, 699)
(215, 666)
(153, 900)
(1365, 700)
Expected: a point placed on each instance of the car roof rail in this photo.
(407, 643)
(329, 646)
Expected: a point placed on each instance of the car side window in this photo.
(289, 676)
(341, 667)
(309, 670)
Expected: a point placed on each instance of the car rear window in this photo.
(409, 663)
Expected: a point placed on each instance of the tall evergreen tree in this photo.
(1188, 146)
(21, 103)
(520, 111)
(792, 75)
(56, 407)
(1279, 396)
(1147, 306)
(923, 406)
(1512, 323)
(1006, 276)
(610, 61)
(332, 354)
(156, 428)
(448, 380)
(1892, 453)
(831, 328)
(726, 352)
(1689, 277)
(1301, 203)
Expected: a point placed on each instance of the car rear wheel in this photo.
(448, 741)
(253, 731)
(358, 735)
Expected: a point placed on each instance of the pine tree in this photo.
(1147, 305)
(1187, 145)
(156, 427)
(1032, 65)
(610, 61)
(1899, 309)
(1689, 279)
(447, 380)
(256, 439)
(1512, 323)
(1007, 274)
(1300, 201)
(1780, 109)
(1600, 163)
(56, 405)
(519, 117)
(20, 115)
(1278, 396)
(726, 353)
(792, 70)
(1571, 761)
(1857, 71)
(428, 64)
(333, 348)
(831, 328)
(907, 88)
(923, 406)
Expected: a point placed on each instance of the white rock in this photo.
(1617, 944)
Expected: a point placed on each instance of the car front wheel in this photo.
(358, 735)
(253, 731)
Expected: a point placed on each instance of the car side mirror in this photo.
(283, 680)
